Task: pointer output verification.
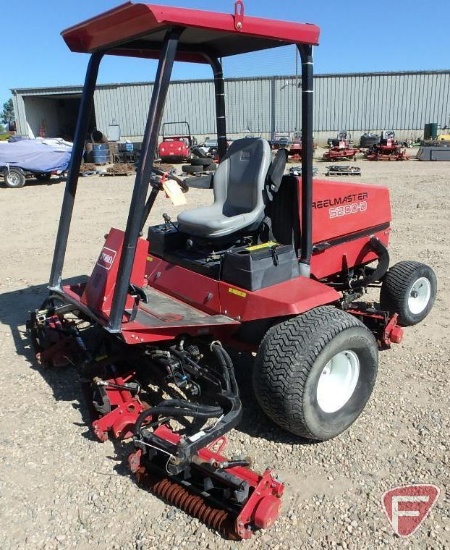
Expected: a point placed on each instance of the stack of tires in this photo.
(199, 165)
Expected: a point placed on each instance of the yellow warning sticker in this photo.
(149, 258)
(261, 246)
(237, 292)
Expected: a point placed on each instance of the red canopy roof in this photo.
(138, 30)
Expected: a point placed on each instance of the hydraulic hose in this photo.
(218, 351)
(227, 367)
(175, 411)
(192, 406)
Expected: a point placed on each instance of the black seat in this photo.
(239, 193)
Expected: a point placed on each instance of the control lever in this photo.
(168, 222)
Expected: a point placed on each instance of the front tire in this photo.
(409, 289)
(315, 372)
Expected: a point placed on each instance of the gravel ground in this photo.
(61, 489)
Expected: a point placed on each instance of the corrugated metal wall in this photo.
(364, 102)
(355, 102)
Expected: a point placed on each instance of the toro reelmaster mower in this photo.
(277, 265)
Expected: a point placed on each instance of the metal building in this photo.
(403, 101)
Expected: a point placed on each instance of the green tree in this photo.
(7, 116)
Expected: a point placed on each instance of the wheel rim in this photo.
(419, 295)
(337, 381)
(13, 178)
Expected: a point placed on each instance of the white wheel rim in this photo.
(419, 295)
(337, 381)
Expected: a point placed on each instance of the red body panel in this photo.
(190, 287)
(284, 299)
(173, 147)
(345, 216)
(99, 289)
(288, 298)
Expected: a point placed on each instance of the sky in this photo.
(356, 36)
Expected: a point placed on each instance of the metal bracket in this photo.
(239, 15)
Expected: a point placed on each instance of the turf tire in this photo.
(398, 289)
(292, 358)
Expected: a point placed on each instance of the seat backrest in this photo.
(240, 178)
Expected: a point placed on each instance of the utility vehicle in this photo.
(176, 142)
(277, 265)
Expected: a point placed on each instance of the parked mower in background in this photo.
(278, 265)
(293, 145)
(387, 149)
(341, 148)
(176, 142)
(295, 148)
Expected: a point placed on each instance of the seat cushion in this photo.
(238, 192)
(210, 222)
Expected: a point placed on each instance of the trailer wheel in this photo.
(14, 178)
(409, 289)
(314, 373)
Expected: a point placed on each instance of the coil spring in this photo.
(194, 505)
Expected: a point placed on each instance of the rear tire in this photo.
(409, 289)
(315, 372)
(14, 178)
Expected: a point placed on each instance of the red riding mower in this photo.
(277, 265)
(341, 148)
(388, 148)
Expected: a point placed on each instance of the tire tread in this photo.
(303, 337)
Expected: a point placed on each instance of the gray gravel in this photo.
(59, 488)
